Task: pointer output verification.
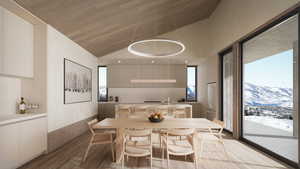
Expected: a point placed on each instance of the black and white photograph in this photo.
(77, 83)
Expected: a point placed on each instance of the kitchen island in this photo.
(107, 109)
(133, 108)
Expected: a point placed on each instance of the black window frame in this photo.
(196, 85)
(98, 94)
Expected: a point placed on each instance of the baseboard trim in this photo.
(60, 137)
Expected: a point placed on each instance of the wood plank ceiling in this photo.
(104, 26)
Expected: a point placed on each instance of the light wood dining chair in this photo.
(180, 111)
(177, 147)
(141, 111)
(137, 148)
(214, 136)
(124, 111)
(103, 137)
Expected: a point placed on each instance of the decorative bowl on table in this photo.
(156, 117)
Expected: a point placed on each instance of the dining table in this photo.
(136, 123)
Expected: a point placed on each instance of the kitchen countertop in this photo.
(172, 103)
(13, 118)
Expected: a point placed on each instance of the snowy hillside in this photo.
(267, 96)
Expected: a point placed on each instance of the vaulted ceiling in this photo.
(104, 26)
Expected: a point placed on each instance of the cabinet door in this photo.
(1, 38)
(17, 49)
(32, 139)
(9, 146)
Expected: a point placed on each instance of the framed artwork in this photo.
(77, 83)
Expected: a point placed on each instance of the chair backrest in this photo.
(141, 108)
(180, 109)
(140, 111)
(91, 123)
(129, 133)
(164, 109)
(219, 122)
(181, 132)
(125, 107)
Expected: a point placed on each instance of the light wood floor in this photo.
(240, 156)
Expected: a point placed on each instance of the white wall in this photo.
(10, 93)
(58, 48)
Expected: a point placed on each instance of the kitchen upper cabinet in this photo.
(16, 45)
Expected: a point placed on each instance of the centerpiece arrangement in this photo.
(156, 117)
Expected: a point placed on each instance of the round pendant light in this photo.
(178, 45)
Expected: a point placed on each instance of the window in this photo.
(269, 94)
(191, 90)
(102, 84)
(227, 89)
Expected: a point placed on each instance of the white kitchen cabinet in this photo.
(16, 45)
(22, 141)
(9, 146)
(32, 139)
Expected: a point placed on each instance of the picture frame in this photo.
(77, 82)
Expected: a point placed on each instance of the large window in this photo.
(102, 84)
(269, 95)
(191, 90)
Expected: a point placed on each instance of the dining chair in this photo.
(177, 147)
(141, 111)
(180, 111)
(103, 137)
(137, 148)
(123, 111)
(213, 136)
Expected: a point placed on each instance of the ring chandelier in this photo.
(144, 54)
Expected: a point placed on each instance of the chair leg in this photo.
(123, 159)
(195, 161)
(151, 161)
(159, 135)
(201, 148)
(162, 153)
(168, 160)
(224, 149)
(112, 152)
(86, 152)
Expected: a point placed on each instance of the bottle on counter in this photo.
(22, 106)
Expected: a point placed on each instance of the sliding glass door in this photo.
(227, 89)
(270, 89)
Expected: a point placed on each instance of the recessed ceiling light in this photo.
(152, 61)
(119, 61)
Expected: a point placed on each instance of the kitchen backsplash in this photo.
(137, 95)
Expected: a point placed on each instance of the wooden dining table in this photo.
(171, 123)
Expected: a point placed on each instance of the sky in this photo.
(191, 76)
(272, 71)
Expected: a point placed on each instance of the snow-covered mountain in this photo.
(255, 95)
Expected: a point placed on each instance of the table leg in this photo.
(119, 145)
